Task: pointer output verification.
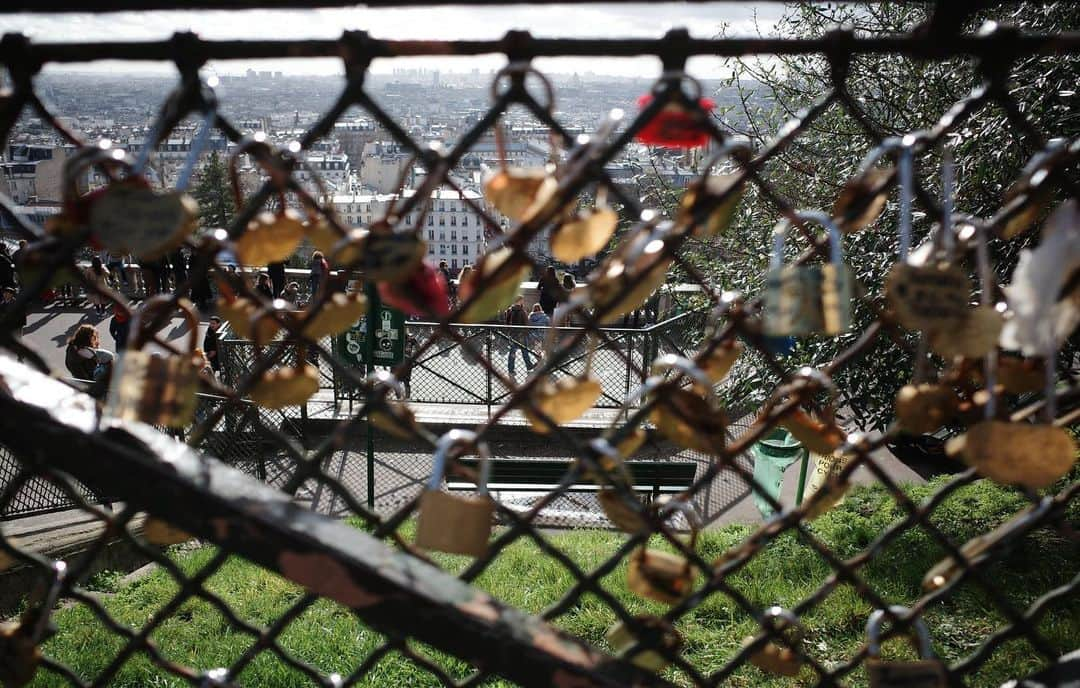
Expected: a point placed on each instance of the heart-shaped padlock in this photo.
(631, 274)
(583, 234)
(334, 315)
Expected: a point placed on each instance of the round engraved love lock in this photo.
(288, 386)
(452, 524)
(334, 315)
(819, 435)
(151, 388)
(714, 197)
(807, 299)
(663, 576)
(978, 334)
(652, 632)
(925, 672)
(779, 658)
(633, 271)
(690, 417)
(493, 284)
(424, 293)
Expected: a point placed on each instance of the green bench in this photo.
(526, 475)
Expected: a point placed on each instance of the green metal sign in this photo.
(389, 348)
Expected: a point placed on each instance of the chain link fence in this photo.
(325, 501)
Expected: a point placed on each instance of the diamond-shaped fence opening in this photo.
(585, 529)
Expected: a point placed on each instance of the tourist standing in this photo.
(210, 343)
(318, 270)
(515, 315)
(99, 277)
(120, 327)
(550, 291)
(277, 278)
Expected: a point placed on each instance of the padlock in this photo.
(710, 201)
(583, 234)
(19, 655)
(616, 496)
(75, 206)
(568, 398)
(159, 532)
(270, 237)
(133, 218)
(981, 547)
(389, 416)
(384, 255)
(334, 315)
(660, 575)
(289, 386)
(682, 414)
(155, 389)
(925, 407)
(826, 489)
(926, 290)
(978, 334)
(650, 632)
(452, 524)
(493, 284)
(820, 435)
(633, 271)
(864, 197)
(774, 657)
(423, 294)
(925, 672)
(718, 362)
(807, 299)
(682, 122)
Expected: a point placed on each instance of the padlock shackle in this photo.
(519, 71)
(602, 446)
(693, 518)
(59, 576)
(776, 613)
(136, 340)
(197, 145)
(452, 439)
(735, 147)
(836, 248)
(384, 378)
(687, 368)
(873, 631)
(87, 157)
(905, 169)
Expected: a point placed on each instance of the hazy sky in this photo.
(597, 21)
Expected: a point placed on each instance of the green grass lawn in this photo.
(330, 637)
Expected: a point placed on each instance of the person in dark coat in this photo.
(551, 291)
(210, 343)
(262, 285)
(277, 278)
(120, 327)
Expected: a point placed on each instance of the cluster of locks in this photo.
(927, 292)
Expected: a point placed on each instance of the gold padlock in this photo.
(159, 532)
(583, 234)
(716, 196)
(925, 672)
(270, 237)
(820, 435)
(154, 389)
(633, 271)
(925, 407)
(779, 658)
(651, 632)
(493, 284)
(807, 299)
(663, 576)
(288, 386)
(682, 414)
(389, 416)
(566, 399)
(1033, 455)
(616, 496)
(452, 524)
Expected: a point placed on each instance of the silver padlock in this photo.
(925, 672)
(807, 299)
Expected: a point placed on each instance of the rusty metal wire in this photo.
(273, 445)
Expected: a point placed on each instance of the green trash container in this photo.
(772, 456)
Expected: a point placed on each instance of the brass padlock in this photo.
(583, 234)
(155, 389)
(925, 407)
(925, 672)
(663, 576)
(271, 237)
(288, 386)
(779, 658)
(389, 416)
(566, 399)
(712, 199)
(821, 434)
(807, 299)
(865, 196)
(448, 523)
(19, 655)
(633, 271)
(616, 496)
(650, 632)
(334, 315)
(493, 284)
(682, 414)
(1033, 455)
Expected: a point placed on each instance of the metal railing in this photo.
(436, 620)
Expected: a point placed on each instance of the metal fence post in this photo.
(369, 344)
(487, 347)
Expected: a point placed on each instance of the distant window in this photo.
(465, 221)
(453, 221)
(430, 220)
(453, 249)
(442, 221)
(431, 235)
(453, 235)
